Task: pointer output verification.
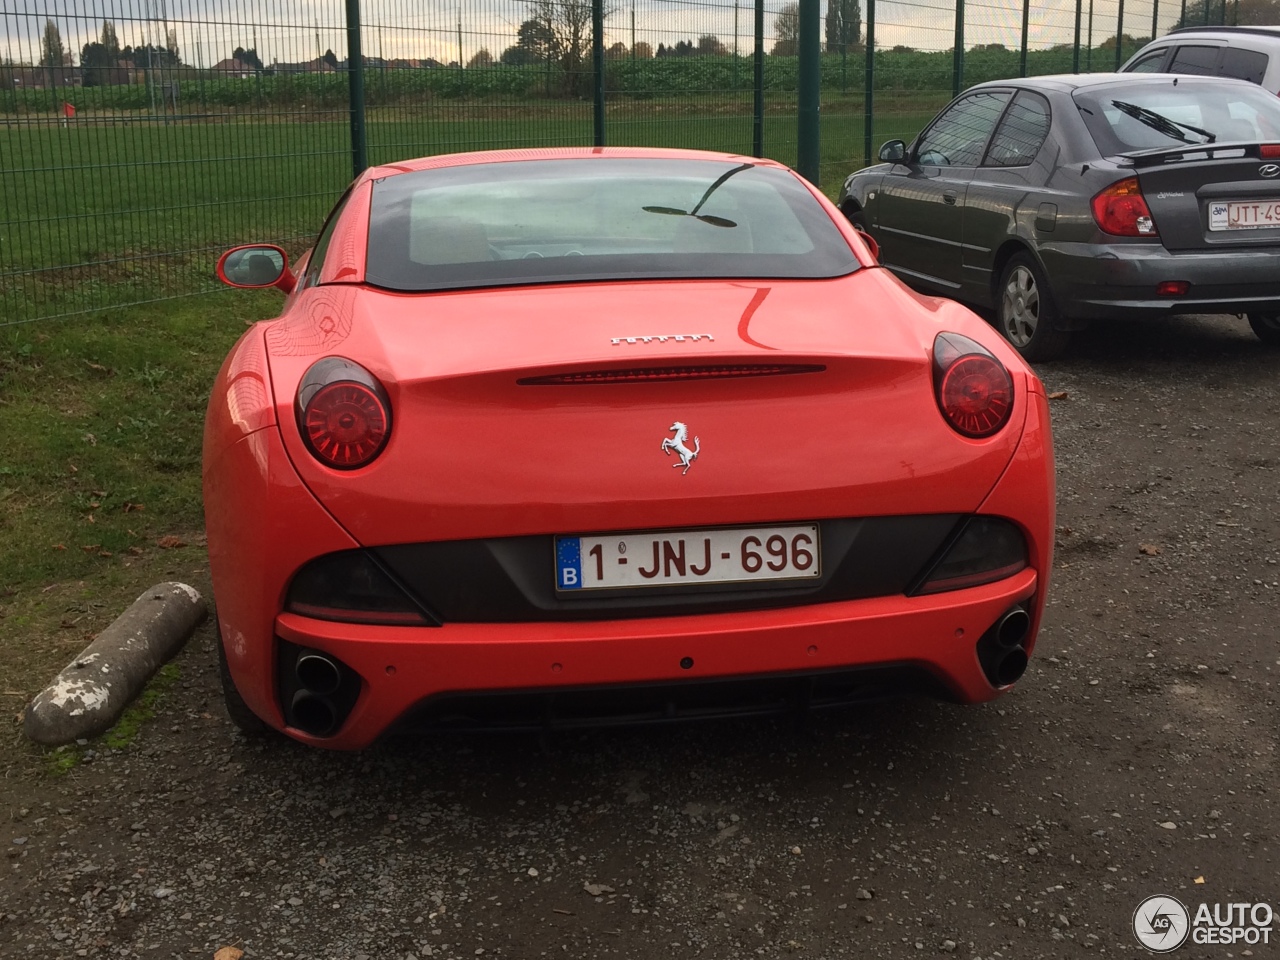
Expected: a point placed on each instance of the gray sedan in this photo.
(1057, 201)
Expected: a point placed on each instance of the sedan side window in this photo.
(958, 137)
(1021, 132)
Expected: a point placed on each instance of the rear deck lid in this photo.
(1206, 153)
(572, 409)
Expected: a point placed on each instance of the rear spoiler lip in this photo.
(1161, 155)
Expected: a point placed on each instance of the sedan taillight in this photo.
(1269, 151)
(1121, 210)
(973, 389)
(343, 413)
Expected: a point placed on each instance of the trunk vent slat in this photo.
(669, 373)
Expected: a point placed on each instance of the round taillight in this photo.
(974, 390)
(976, 396)
(345, 424)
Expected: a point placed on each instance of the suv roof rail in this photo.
(1264, 31)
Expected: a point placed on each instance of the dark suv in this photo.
(1246, 53)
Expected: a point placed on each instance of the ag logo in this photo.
(1161, 924)
(1269, 170)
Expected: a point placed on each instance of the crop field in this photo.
(115, 208)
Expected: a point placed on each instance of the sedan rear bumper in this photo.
(402, 668)
(1118, 281)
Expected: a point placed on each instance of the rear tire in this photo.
(250, 724)
(1267, 327)
(1025, 312)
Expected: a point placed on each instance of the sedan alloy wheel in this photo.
(1020, 306)
(1025, 312)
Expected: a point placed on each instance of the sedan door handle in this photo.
(949, 197)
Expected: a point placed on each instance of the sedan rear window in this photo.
(1161, 115)
(616, 218)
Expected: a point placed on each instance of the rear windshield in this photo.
(1160, 115)
(556, 221)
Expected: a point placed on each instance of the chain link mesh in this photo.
(140, 138)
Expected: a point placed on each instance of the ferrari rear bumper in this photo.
(403, 669)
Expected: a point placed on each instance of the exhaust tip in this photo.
(317, 673)
(1002, 650)
(1011, 667)
(1013, 627)
(314, 715)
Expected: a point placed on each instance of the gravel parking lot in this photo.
(1137, 757)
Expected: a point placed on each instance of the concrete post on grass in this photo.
(89, 696)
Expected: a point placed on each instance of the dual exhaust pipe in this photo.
(1002, 651)
(316, 705)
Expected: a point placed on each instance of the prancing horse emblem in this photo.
(676, 443)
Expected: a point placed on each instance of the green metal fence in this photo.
(138, 138)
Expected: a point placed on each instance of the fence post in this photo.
(355, 89)
(1075, 50)
(1119, 34)
(757, 114)
(597, 68)
(957, 58)
(810, 66)
(1155, 17)
(869, 90)
(1088, 42)
(1026, 23)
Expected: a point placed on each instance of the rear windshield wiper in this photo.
(1161, 123)
(704, 217)
(709, 218)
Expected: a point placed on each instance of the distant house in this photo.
(233, 68)
(24, 77)
(318, 65)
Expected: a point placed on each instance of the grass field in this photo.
(100, 429)
(104, 212)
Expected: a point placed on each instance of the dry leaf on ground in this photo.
(1149, 549)
(228, 953)
(170, 542)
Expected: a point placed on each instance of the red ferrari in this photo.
(583, 436)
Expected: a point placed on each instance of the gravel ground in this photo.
(1138, 756)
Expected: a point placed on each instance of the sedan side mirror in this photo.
(256, 266)
(895, 151)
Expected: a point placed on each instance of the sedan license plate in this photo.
(688, 556)
(1243, 215)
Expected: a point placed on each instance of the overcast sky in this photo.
(297, 30)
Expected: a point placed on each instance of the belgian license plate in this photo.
(688, 556)
(1243, 215)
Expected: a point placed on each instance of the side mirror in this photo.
(255, 266)
(895, 151)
